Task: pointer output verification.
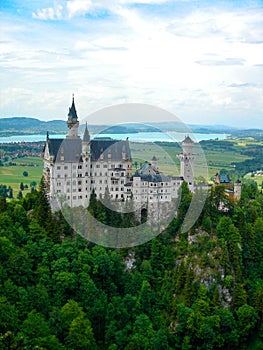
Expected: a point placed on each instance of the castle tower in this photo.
(86, 143)
(86, 163)
(72, 122)
(154, 162)
(237, 189)
(187, 159)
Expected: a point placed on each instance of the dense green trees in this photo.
(197, 290)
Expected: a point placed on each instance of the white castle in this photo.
(74, 167)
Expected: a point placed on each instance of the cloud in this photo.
(49, 13)
(223, 62)
(78, 7)
(241, 85)
(159, 53)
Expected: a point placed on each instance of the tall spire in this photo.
(72, 110)
(86, 136)
(72, 121)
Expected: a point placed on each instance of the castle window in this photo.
(65, 167)
(58, 167)
(80, 197)
(79, 189)
(58, 176)
(100, 181)
(105, 166)
(105, 181)
(122, 174)
(97, 165)
(68, 190)
(79, 182)
(68, 182)
(68, 197)
(121, 188)
(79, 175)
(79, 166)
(74, 197)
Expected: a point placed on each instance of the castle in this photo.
(74, 167)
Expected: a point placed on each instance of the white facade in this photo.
(73, 168)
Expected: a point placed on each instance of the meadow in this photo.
(13, 175)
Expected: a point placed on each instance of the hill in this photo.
(28, 125)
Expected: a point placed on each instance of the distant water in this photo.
(137, 137)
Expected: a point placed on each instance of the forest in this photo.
(202, 289)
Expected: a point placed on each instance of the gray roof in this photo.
(107, 147)
(224, 179)
(154, 176)
(72, 110)
(70, 149)
(188, 139)
(86, 136)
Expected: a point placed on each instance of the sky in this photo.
(199, 60)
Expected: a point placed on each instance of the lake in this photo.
(135, 137)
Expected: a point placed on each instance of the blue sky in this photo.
(200, 60)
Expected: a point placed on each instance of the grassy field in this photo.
(257, 178)
(216, 159)
(13, 175)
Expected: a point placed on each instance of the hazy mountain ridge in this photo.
(28, 125)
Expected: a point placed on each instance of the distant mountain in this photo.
(26, 125)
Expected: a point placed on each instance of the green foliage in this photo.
(194, 290)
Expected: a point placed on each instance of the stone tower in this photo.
(237, 189)
(72, 122)
(187, 159)
(86, 163)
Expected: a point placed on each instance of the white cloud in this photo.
(130, 56)
(78, 7)
(49, 13)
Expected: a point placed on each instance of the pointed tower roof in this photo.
(188, 139)
(72, 110)
(154, 158)
(86, 136)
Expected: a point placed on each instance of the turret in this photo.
(187, 162)
(237, 189)
(154, 162)
(86, 143)
(72, 122)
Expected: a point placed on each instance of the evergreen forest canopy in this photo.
(197, 290)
